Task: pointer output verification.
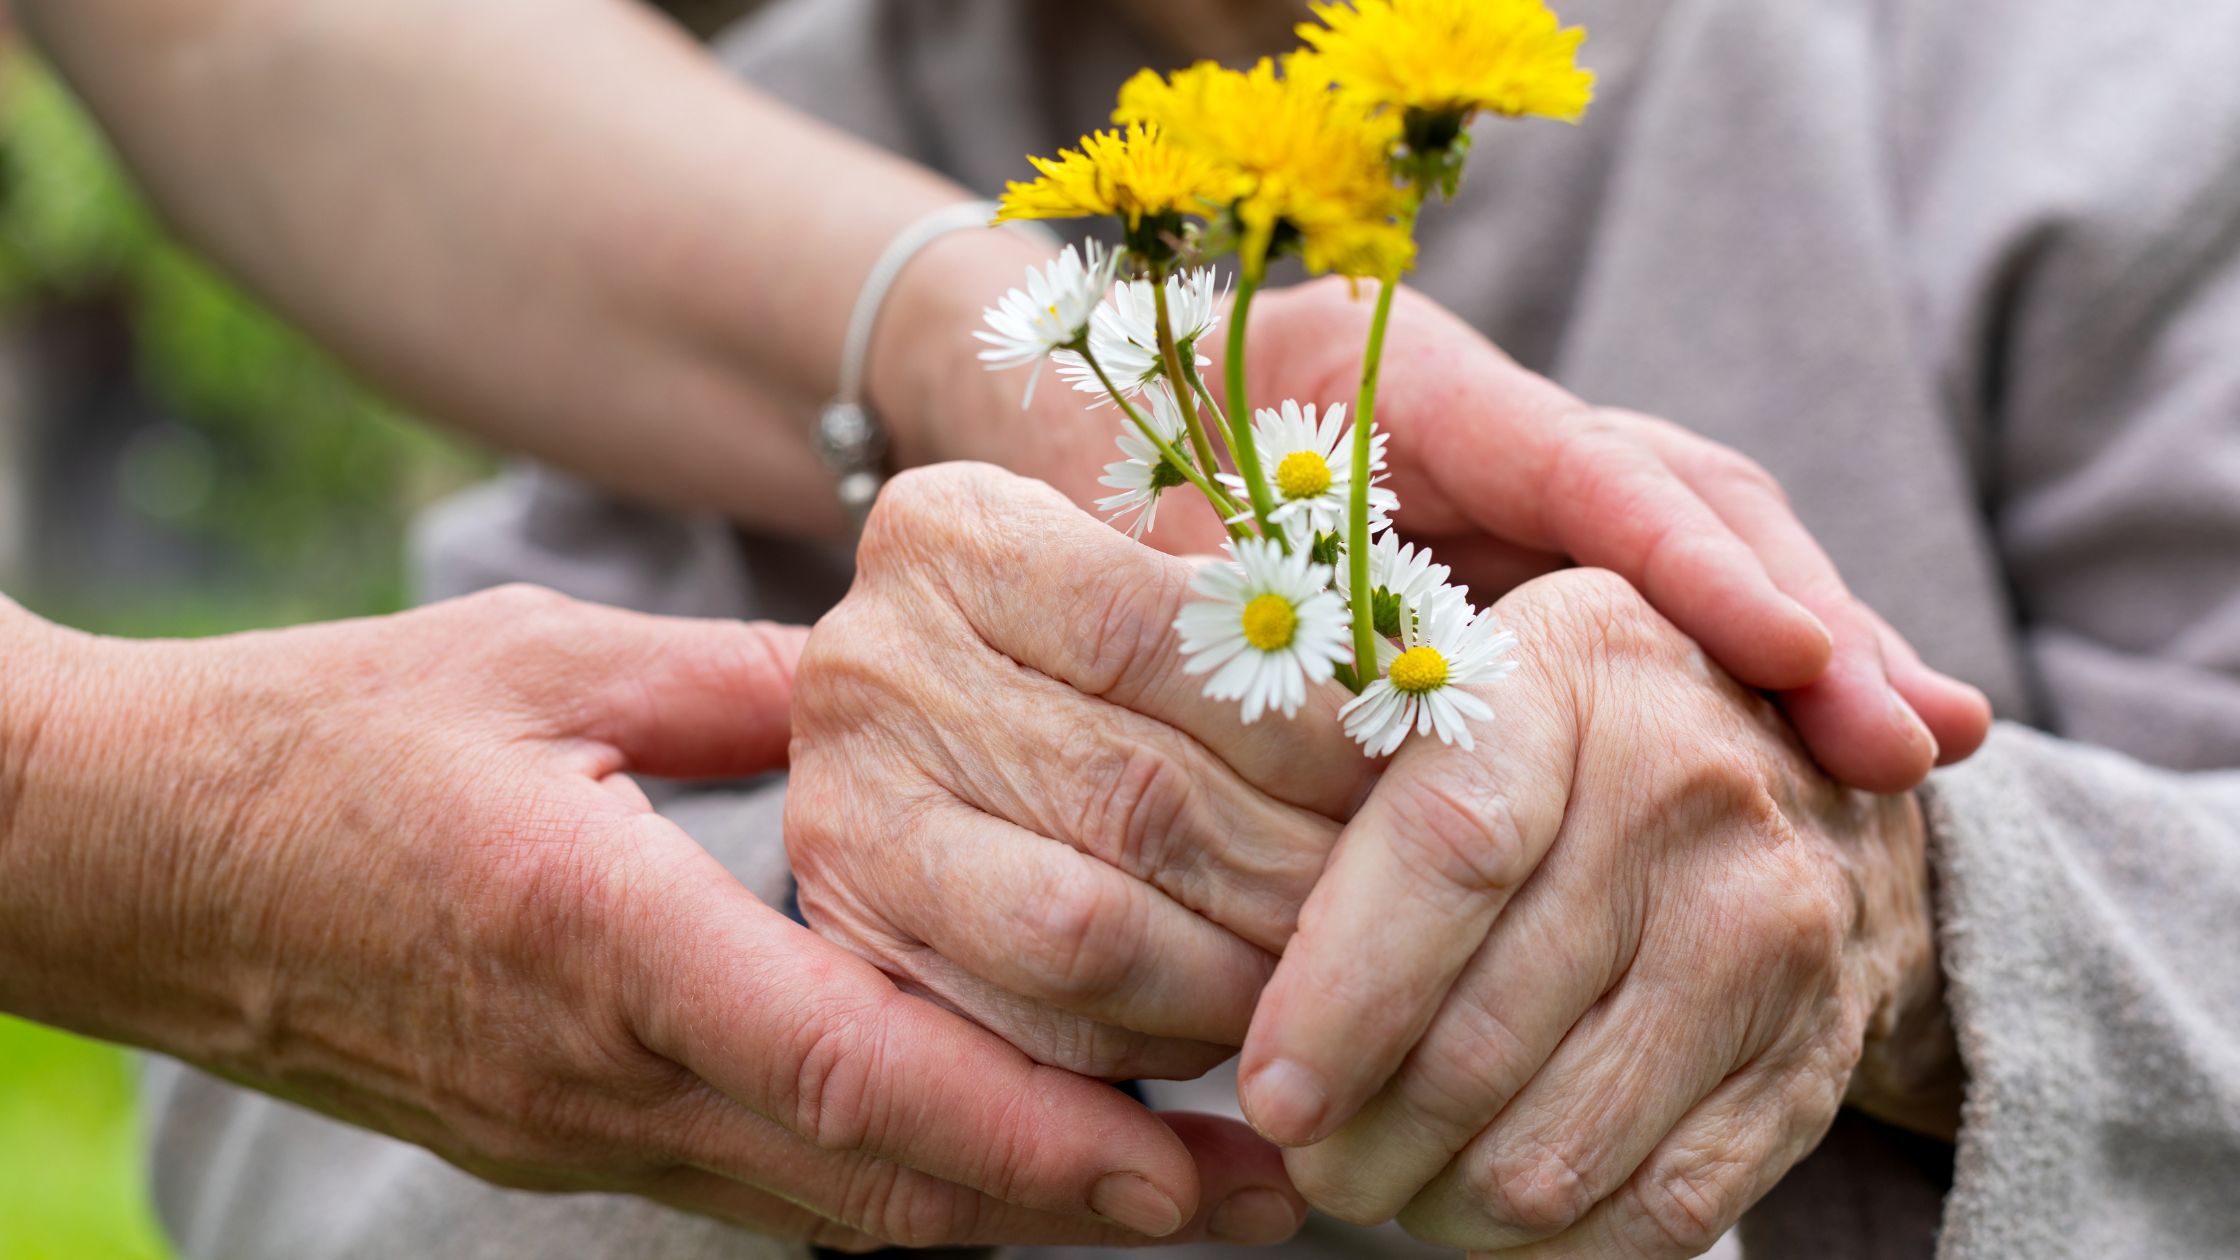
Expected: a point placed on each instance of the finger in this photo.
(703, 1193)
(1691, 1008)
(1038, 918)
(797, 1030)
(1137, 795)
(1046, 1034)
(1958, 715)
(852, 1202)
(1626, 1074)
(1553, 474)
(1247, 1199)
(1549, 957)
(1442, 843)
(1048, 586)
(1721, 1158)
(686, 698)
(1860, 728)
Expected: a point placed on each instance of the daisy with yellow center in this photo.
(1147, 472)
(1445, 646)
(1309, 169)
(1310, 471)
(1124, 333)
(1268, 627)
(1403, 578)
(1444, 60)
(1052, 312)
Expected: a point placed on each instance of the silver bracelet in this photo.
(849, 437)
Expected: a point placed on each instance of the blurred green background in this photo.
(173, 461)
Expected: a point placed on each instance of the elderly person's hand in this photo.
(1507, 475)
(1005, 790)
(1590, 989)
(393, 869)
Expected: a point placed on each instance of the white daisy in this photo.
(1053, 311)
(1310, 467)
(1145, 474)
(1402, 577)
(1269, 627)
(1449, 645)
(1124, 333)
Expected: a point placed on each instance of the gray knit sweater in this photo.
(1965, 274)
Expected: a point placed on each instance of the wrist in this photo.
(115, 831)
(46, 844)
(926, 382)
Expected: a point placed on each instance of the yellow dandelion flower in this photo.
(1133, 174)
(1450, 58)
(1309, 168)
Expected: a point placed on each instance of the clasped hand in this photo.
(1589, 988)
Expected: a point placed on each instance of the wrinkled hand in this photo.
(1591, 989)
(1005, 790)
(1507, 475)
(393, 870)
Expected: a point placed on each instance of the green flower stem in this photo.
(1240, 409)
(1212, 404)
(1171, 355)
(1357, 504)
(1223, 506)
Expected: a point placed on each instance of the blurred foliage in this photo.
(70, 1183)
(302, 475)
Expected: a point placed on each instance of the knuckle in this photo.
(1730, 471)
(833, 1102)
(1685, 1212)
(912, 500)
(920, 1212)
(1687, 1202)
(1472, 1067)
(1077, 945)
(1464, 837)
(1107, 1052)
(518, 599)
(1797, 920)
(520, 611)
(1536, 1190)
(1126, 626)
(1134, 800)
(1335, 1186)
(1599, 614)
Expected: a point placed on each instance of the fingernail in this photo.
(1254, 1217)
(1907, 717)
(1285, 1102)
(1131, 1202)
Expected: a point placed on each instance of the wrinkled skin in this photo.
(1591, 987)
(1596, 985)
(394, 870)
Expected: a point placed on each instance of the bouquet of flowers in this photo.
(1326, 154)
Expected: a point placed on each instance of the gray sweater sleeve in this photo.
(2089, 873)
(2090, 915)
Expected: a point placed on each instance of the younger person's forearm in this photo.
(556, 224)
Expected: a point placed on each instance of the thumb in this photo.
(687, 698)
